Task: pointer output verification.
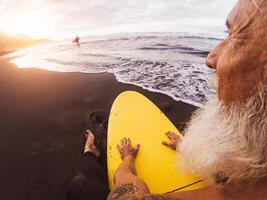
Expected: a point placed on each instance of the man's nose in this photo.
(214, 55)
(212, 59)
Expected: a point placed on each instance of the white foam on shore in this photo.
(162, 92)
(170, 64)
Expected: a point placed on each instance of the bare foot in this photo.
(89, 145)
(174, 140)
(126, 149)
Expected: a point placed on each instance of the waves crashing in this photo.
(169, 63)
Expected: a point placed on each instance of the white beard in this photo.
(231, 140)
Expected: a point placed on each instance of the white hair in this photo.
(231, 140)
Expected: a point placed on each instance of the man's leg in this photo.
(91, 183)
(92, 169)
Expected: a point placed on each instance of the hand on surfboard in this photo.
(174, 140)
(126, 149)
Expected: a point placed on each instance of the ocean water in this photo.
(169, 63)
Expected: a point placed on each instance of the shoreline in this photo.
(43, 115)
(4, 53)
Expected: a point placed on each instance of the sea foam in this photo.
(168, 63)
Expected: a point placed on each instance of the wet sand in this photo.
(42, 118)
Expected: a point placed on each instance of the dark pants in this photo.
(91, 183)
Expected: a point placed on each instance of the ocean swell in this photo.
(169, 63)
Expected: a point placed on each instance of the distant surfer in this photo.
(77, 41)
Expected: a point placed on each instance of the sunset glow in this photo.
(32, 24)
(60, 19)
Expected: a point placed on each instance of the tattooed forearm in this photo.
(129, 192)
(123, 192)
(152, 197)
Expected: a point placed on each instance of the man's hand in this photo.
(174, 139)
(126, 148)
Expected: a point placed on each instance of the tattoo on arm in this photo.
(123, 192)
(129, 192)
(152, 197)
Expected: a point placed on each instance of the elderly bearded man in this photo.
(226, 141)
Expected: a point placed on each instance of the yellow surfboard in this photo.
(136, 117)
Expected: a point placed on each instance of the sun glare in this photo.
(30, 24)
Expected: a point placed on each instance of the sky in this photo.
(66, 18)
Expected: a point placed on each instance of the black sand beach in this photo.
(42, 118)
